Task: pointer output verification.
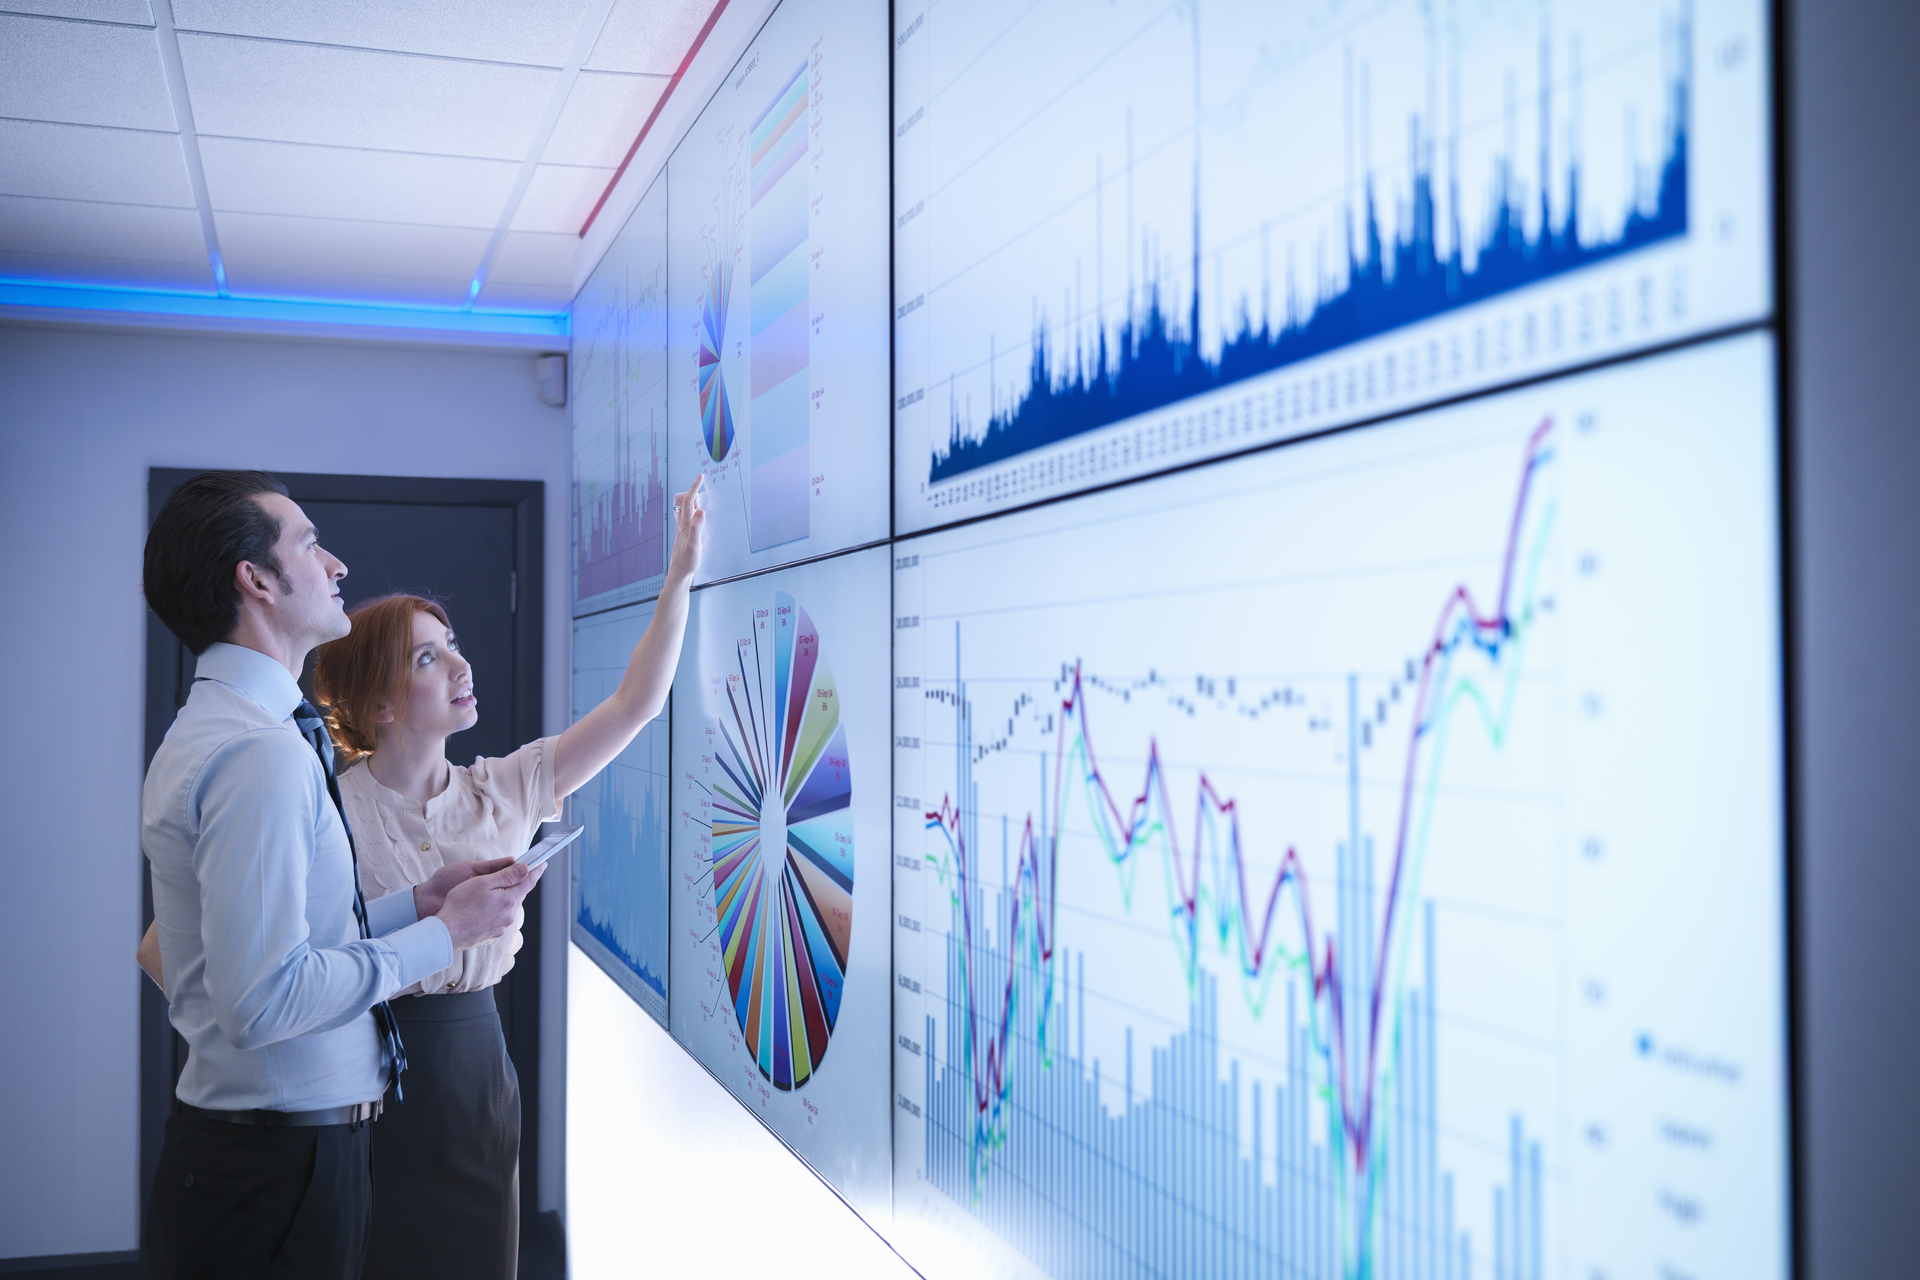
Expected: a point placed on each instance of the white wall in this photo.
(82, 417)
(668, 1175)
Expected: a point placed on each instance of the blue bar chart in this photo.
(619, 394)
(1190, 272)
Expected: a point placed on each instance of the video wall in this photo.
(1231, 722)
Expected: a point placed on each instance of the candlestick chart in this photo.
(1264, 956)
(1479, 199)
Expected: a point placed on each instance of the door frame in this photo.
(169, 673)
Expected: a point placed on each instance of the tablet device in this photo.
(551, 845)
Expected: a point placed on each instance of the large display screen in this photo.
(1255, 745)
(620, 862)
(780, 845)
(618, 390)
(1132, 234)
(777, 197)
(1359, 859)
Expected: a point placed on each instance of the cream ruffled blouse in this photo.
(490, 809)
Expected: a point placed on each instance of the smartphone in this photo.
(551, 845)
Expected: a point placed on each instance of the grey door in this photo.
(476, 546)
(461, 556)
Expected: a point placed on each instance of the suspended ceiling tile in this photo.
(82, 73)
(80, 162)
(245, 176)
(648, 35)
(560, 197)
(493, 30)
(245, 88)
(108, 272)
(306, 284)
(602, 117)
(533, 257)
(266, 243)
(500, 296)
(134, 11)
(83, 228)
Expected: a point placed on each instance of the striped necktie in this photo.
(315, 731)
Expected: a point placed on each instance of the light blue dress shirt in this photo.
(267, 976)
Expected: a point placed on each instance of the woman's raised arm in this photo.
(597, 737)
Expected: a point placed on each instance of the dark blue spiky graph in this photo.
(1155, 359)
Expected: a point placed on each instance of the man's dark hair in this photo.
(209, 525)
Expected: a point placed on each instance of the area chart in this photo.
(1190, 272)
(619, 406)
(620, 862)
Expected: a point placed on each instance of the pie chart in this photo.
(716, 414)
(782, 843)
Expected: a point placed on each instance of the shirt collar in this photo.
(252, 673)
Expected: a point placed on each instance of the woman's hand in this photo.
(689, 533)
(601, 734)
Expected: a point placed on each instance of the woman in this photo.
(446, 1183)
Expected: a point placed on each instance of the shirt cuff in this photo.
(394, 911)
(424, 949)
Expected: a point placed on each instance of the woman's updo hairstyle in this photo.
(368, 667)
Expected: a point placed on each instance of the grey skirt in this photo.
(446, 1162)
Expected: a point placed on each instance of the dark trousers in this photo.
(447, 1160)
(235, 1200)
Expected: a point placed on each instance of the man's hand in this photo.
(481, 908)
(428, 898)
(148, 954)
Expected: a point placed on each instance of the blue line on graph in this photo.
(1161, 1185)
(1156, 359)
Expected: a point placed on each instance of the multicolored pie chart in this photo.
(782, 843)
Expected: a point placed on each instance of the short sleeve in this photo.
(520, 783)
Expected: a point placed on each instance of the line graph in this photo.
(1130, 827)
(1328, 1078)
(1506, 195)
(619, 398)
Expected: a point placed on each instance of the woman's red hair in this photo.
(368, 668)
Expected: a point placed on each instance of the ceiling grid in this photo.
(438, 155)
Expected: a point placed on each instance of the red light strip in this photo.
(672, 84)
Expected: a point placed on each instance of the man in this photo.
(276, 973)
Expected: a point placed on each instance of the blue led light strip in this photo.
(244, 313)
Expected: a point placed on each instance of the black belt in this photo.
(359, 1113)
